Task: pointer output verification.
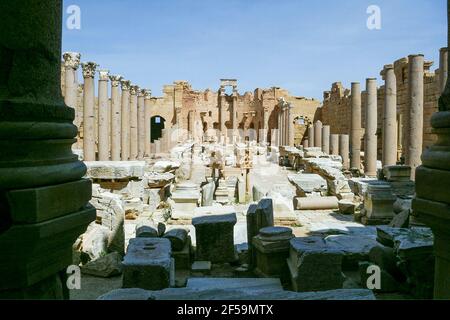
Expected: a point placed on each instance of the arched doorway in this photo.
(157, 125)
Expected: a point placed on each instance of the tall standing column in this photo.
(291, 127)
(280, 126)
(125, 124)
(71, 65)
(148, 122)
(222, 110)
(265, 124)
(311, 138)
(134, 90)
(443, 69)
(390, 116)
(234, 113)
(141, 124)
(116, 130)
(44, 200)
(370, 155)
(89, 111)
(344, 152)
(318, 134)
(334, 144)
(415, 112)
(103, 120)
(326, 139)
(355, 139)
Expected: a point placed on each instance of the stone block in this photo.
(148, 264)
(215, 238)
(397, 173)
(347, 207)
(111, 170)
(203, 267)
(105, 267)
(316, 203)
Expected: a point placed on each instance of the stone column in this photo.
(415, 112)
(115, 118)
(89, 111)
(134, 90)
(326, 139)
(318, 134)
(355, 139)
(432, 203)
(125, 139)
(389, 116)
(44, 200)
(234, 112)
(71, 64)
(222, 110)
(305, 143)
(141, 124)
(400, 136)
(286, 124)
(148, 122)
(265, 123)
(334, 144)
(280, 126)
(443, 69)
(291, 129)
(344, 146)
(311, 138)
(370, 153)
(103, 121)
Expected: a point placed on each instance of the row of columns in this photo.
(124, 131)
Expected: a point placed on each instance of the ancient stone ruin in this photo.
(208, 195)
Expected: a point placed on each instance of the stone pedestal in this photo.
(390, 117)
(378, 204)
(355, 139)
(44, 204)
(371, 141)
(215, 238)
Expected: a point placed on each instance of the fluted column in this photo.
(103, 121)
(116, 121)
(134, 90)
(141, 124)
(71, 65)
(414, 130)
(326, 139)
(125, 124)
(344, 150)
(334, 144)
(370, 152)
(390, 117)
(89, 69)
(443, 69)
(318, 134)
(44, 200)
(355, 139)
(148, 122)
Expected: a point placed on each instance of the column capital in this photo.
(147, 94)
(89, 69)
(115, 80)
(103, 75)
(72, 60)
(134, 89)
(141, 93)
(125, 84)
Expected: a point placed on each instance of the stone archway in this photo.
(157, 124)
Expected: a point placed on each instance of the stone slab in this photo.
(111, 170)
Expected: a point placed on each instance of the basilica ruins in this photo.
(217, 194)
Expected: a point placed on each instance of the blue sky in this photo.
(300, 45)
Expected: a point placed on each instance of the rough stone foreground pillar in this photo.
(334, 144)
(415, 113)
(326, 139)
(103, 121)
(344, 146)
(355, 139)
(116, 120)
(71, 64)
(318, 134)
(148, 121)
(134, 90)
(370, 153)
(443, 69)
(39, 222)
(89, 111)
(141, 124)
(390, 117)
(125, 139)
(311, 135)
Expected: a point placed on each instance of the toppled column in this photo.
(141, 124)
(89, 111)
(134, 90)
(316, 203)
(326, 139)
(390, 116)
(370, 152)
(148, 120)
(355, 139)
(125, 140)
(103, 119)
(334, 144)
(215, 238)
(414, 128)
(318, 134)
(344, 151)
(115, 118)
